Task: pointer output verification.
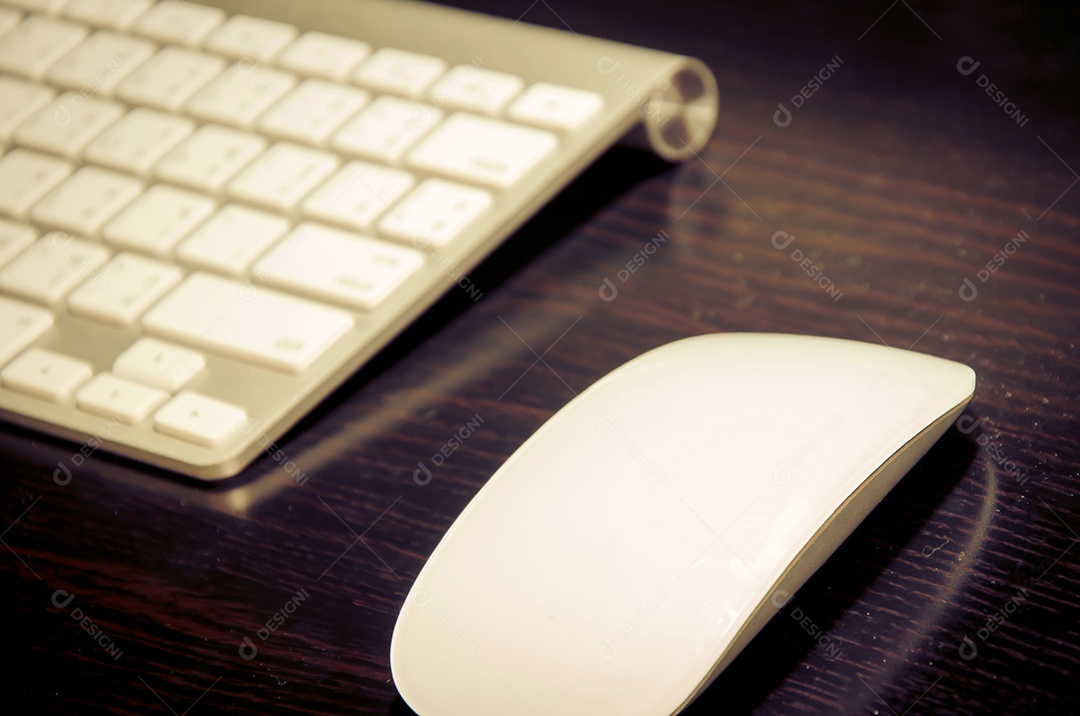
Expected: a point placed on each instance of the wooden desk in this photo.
(920, 215)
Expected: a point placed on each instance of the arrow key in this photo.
(199, 419)
(45, 374)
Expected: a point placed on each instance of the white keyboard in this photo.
(211, 215)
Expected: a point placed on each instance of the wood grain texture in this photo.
(898, 179)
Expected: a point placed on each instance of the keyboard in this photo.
(212, 214)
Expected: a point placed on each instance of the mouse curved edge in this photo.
(832, 534)
(827, 538)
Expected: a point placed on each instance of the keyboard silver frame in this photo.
(672, 101)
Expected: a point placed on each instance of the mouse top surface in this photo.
(627, 551)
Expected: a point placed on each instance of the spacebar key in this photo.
(258, 325)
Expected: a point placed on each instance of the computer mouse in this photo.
(632, 546)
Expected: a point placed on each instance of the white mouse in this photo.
(625, 554)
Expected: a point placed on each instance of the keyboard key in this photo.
(49, 7)
(9, 18)
(313, 111)
(342, 267)
(482, 150)
(82, 203)
(111, 14)
(117, 398)
(357, 195)
(18, 100)
(169, 79)
(28, 176)
(47, 270)
(400, 72)
(20, 325)
(321, 55)
(45, 6)
(68, 123)
(555, 107)
(434, 213)
(476, 89)
(100, 62)
(206, 160)
(45, 374)
(282, 176)
(127, 286)
(240, 94)
(232, 238)
(199, 419)
(242, 36)
(138, 140)
(158, 219)
(386, 129)
(252, 324)
(30, 48)
(162, 365)
(178, 22)
(14, 237)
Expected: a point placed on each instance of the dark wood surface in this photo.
(899, 178)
